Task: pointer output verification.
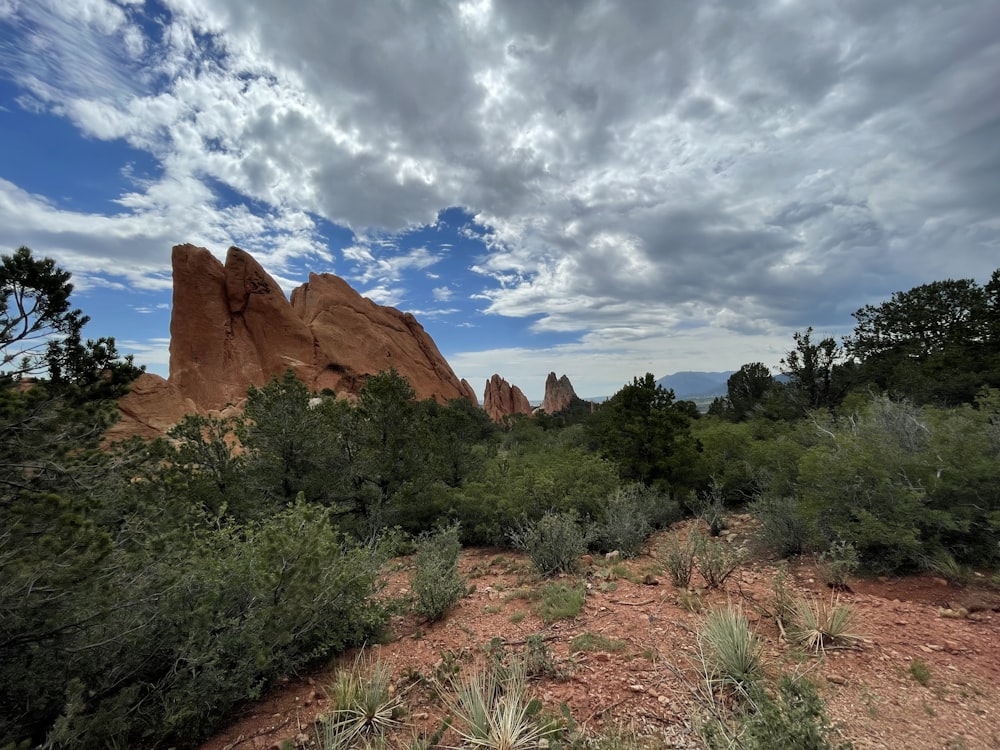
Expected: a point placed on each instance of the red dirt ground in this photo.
(872, 697)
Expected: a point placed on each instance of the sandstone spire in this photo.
(559, 394)
(501, 399)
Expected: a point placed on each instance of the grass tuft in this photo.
(595, 642)
(560, 601)
(920, 672)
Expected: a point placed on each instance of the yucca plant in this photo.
(818, 626)
(731, 654)
(493, 710)
(364, 706)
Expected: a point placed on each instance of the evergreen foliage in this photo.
(935, 343)
(792, 717)
(811, 368)
(34, 295)
(642, 430)
(535, 476)
(746, 389)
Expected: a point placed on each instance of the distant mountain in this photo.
(690, 385)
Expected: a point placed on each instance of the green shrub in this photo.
(554, 543)
(710, 507)
(538, 658)
(838, 563)
(623, 524)
(525, 482)
(716, 560)
(784, 528)
(196, 621)
(560, 601)
(436, 582)
(678, 559)
(793, 718)
(659, 508)
(897, 481)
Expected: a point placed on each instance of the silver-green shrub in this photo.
(436, 583)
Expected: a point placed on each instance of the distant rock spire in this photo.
(501, 399)
(559, 394)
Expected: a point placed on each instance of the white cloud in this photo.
(442, 293)
(635, 168)
(154, 353)
(384, 295)
(387, 267)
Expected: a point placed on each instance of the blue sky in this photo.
(599, 189)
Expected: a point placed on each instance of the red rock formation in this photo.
(355, 338)
(559, 394)
(149, 409)
(500, 399)
(232, 327)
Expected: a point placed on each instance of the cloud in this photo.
(388, 263)
(154, 353)
(632, 169)
(442, 293)
(383, 295)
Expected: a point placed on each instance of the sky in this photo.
(599, 189)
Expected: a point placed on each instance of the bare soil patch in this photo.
(645, 680)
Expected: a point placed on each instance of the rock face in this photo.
(149, 409)
(232, 327)
(501, 399)
(559, 394)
